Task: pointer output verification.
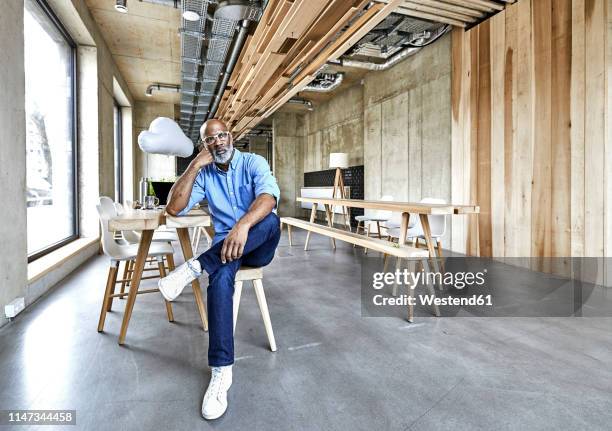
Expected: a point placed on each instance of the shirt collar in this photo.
(235, 158)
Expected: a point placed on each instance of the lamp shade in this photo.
(338, 160)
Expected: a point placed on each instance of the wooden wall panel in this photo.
(530, 100)
(577, 114)
(560, 236)
(542, 148)
(595, 72)
(497, 59)
(483, 141)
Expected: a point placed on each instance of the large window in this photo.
(50, 131)
(118, 153)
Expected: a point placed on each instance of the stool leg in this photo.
(110, 284)
(265, 314)
(236, 300)
(162, 274)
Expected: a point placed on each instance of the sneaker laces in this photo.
(214, 387)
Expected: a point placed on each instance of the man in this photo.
(242, 195)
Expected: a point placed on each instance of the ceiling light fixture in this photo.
(121, 6)
(190, 15)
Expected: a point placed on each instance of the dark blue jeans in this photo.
(258, 251)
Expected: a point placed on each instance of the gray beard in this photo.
(223, 159)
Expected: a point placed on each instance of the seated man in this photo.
(242, 195)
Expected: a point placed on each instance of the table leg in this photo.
(143, 252)
(183, 234)
(404, 228)
(429, 241)
(313, 214)
(329, 223)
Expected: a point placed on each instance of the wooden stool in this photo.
(255, 275)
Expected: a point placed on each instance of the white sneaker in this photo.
(215, 399)
(173, 284)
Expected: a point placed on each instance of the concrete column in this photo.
(13, 228)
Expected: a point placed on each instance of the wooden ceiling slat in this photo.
(415, 5)
(429, 16)
(450, 7)
(294, 39)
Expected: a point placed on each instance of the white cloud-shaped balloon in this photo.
(165, 137)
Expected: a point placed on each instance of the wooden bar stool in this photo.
(255, 275)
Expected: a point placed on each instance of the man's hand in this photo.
(203, 159)
(234, 242)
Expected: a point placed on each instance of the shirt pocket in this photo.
(246, 193)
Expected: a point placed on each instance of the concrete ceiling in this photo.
(144, 43)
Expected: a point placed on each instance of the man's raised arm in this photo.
(179, 195)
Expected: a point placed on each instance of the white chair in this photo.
(373, 218)
(255, 275)
(133, 237)
(437, 226)
(126, 253)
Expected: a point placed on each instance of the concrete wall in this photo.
(407, 132)
(397, 124)
(335, 127)
(95, 75)
(13, 258)
(288, 166)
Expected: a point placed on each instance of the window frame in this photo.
(74, 133)
(118, 147)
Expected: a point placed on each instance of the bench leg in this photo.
(289, 235)
(329, 223)
(313, 214)
(236, 300)
(398, 263)
(430, 288)
(357, 230)
(265, 313)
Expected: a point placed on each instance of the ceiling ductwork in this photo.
(393, 40)
(392, 61)
(237, 10)
(303, 102)
(209, 51)
(325, 82)
(164, 88)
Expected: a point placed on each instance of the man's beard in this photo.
(225, 157)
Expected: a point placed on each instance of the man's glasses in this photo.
(209, 140)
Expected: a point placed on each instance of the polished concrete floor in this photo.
(334, 370)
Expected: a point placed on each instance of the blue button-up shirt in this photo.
(230, 194)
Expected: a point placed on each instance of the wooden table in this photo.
(422, 209)
(147, 221)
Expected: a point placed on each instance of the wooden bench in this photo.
(399, 251)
